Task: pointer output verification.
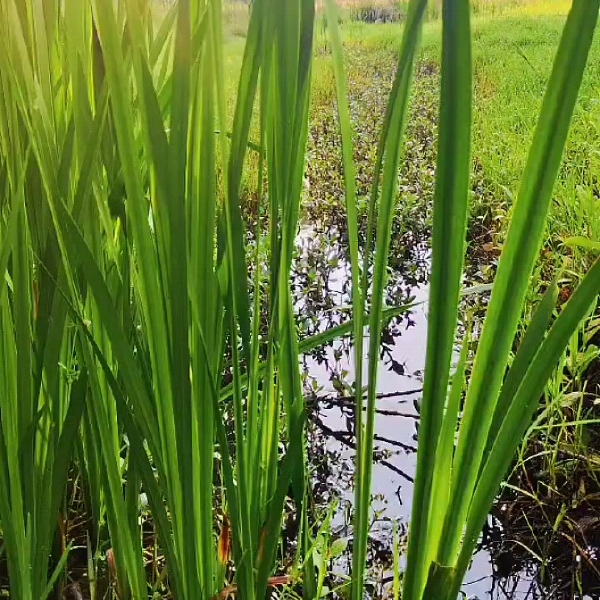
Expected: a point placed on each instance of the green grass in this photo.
(512, 60)
(130, 340)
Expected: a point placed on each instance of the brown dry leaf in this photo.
(224, 550)
(491, 248)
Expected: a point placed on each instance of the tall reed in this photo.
(125, 303)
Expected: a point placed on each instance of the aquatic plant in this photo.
(129, 336)
(466, 444)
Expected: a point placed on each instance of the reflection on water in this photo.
(322, 279)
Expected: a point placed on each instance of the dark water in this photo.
(329, 375)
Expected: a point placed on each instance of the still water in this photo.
(329, 377)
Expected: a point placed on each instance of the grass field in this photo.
(154, 310)
(514, 44)
(512, 61)
(512, 64)
(522, 7)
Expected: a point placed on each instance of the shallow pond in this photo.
(329, 374)
(508, 566)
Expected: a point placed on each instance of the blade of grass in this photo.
(516, 263)
(390, 143)
(533, 338)
(520, 413)
(448, 240)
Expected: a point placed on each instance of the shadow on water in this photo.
(505, 567)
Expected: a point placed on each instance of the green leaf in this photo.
(581, 242)
(338, 547)
(521, 410)
(448, 239)
(516, 263)
(533, 338)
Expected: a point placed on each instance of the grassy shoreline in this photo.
(512, 60)
(150, 343)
